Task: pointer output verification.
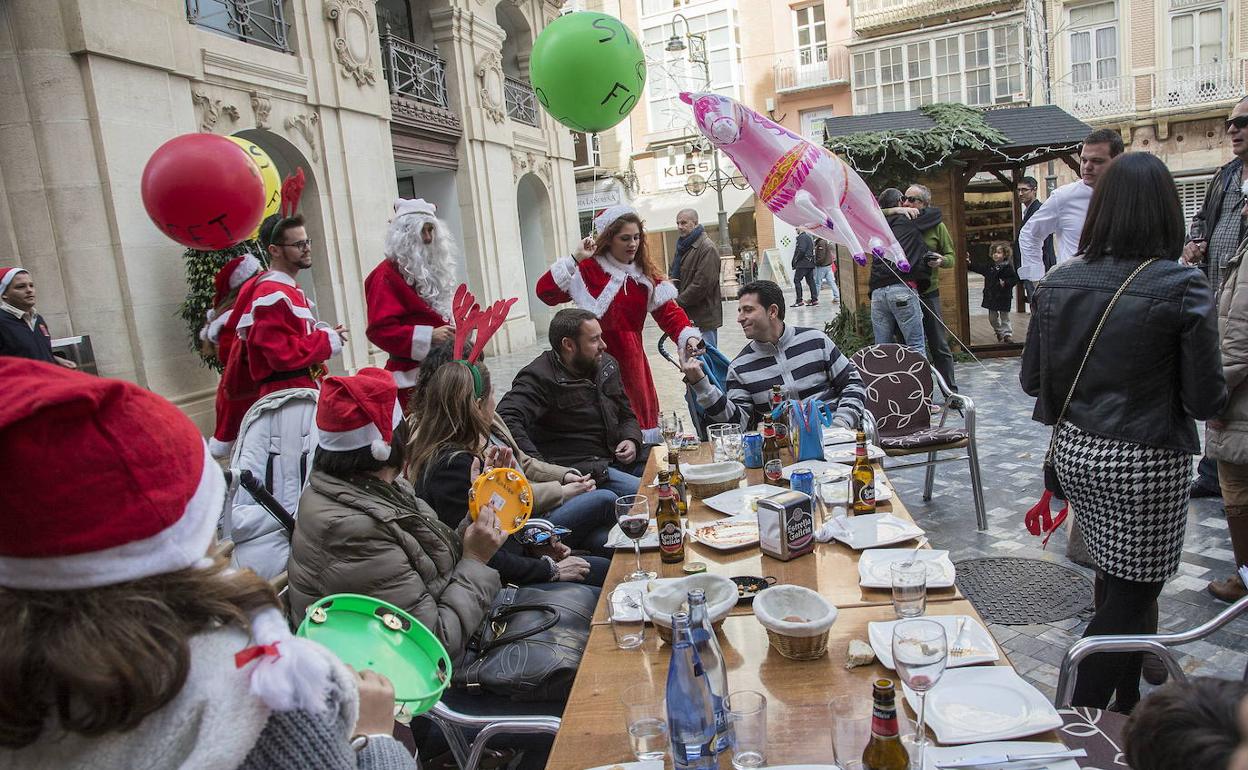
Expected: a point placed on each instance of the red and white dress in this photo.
(621, 296)
(285, 345)
(222, 331)
(401, 323)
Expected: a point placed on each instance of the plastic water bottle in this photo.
(690, 718)
(713, 667)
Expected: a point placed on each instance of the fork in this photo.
(957, 649)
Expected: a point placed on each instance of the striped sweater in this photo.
(806, 362)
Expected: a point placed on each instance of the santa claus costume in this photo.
(620, 294)
(219, 334)
(408, 295)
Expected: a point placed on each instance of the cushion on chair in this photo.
(898, 382)
(924, 438)
(1096, 730)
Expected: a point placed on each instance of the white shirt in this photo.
(1061, 216)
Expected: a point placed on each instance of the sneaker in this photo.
(799, 303)
(1229, 590)
(1200, 490)
(1009, 339)
(812, 302)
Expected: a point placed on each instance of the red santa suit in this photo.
(620, 295)
(284, 345)
(237, 274)
(401, 323)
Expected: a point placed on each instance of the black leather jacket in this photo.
(1156, 366)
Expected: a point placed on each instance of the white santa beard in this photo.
(430, 270)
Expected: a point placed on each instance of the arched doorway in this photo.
(537, 244)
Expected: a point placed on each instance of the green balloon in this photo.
(587, 70)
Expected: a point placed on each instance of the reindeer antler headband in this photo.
(469, 317)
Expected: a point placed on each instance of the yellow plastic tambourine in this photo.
(511, 494)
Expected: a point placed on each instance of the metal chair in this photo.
(456, 724)
(899, 385)
(1158, 644)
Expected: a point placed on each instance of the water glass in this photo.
(628, 622)
(920, 654)
(645, 716)
(715, 434)
(851, 729)
(733, 442)
(747, 712)
(909, 588)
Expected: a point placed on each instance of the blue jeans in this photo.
(621, 483)
(898, 304)
(590, 516)
(711, 338)
(824, 275)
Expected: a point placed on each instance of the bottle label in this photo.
(866, 494)
(884, 721)
(671, 539)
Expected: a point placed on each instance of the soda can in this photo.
(803, 480)
(752, 444)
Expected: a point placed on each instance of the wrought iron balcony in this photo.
(261, 22)
(877, 16)
(813, 68)
(521, 101)
(414, 72)
(1202, 84)
(1096, 99)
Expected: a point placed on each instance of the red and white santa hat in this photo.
(7, 274)
(357, 412)
(106, 483)
(404, 206)
(231, 276)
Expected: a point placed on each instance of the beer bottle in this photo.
(772, 467)
(864, 479)
(777, 398)
(671, 534)
(679, 488)
(884, 751)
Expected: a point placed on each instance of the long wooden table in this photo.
(594, 733)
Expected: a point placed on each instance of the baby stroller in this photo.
(715, 364)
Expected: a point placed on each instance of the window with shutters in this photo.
(1191, 195)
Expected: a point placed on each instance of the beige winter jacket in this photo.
(1230, 443)
(545, 478)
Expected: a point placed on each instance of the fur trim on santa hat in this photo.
(405, 206)
(290, 673)
(7, 274)
(357, 412)
(608, 217)
(245, 269)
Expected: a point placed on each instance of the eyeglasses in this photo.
(304, 245)
(1239, 121)
(911, 199)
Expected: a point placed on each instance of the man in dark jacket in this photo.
(696, 271)
(569, 407)
(23, 332)
(894, 297)
(804, 267)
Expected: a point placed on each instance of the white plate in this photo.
(936, 754)
(644, 586)
(833, 436)
(617, 539)
(845, 453)
(824, 471)
(745, 522)
(733, 501)
(875, 567)
(871, 530)
(985, 703)
(837, 493)
(974, 635)
(654, 765)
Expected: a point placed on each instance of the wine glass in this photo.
(920, 653)
(671, 426)
(632, 513)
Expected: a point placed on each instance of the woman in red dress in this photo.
(615, 279)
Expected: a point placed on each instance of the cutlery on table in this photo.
(1007, 759)
(917, 547)
(957, 649)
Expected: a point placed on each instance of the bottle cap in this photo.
(694, 567)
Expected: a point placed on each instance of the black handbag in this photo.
(530, 645)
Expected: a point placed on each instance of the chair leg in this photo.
(977, 487)
(455, 741)
(931, 477)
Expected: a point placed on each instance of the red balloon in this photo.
(203, 191)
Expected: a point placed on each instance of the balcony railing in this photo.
(253, 21)
(414, 72)
(797, 72)
(1202, 84)
(877, 15)
(521, 101)
(1104, 98)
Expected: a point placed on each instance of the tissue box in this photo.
(786, 525)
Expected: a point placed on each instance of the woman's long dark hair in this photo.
(1135, 212)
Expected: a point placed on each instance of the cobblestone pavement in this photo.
(1012, 448)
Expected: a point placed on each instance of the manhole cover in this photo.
(1015, 592)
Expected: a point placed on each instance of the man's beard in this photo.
(429, 268)
(583, 363)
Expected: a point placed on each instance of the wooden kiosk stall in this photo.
(974, 185)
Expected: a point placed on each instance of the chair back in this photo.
(899, 384)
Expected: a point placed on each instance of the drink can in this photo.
(752, 444)
(803, 480)
(773, 472)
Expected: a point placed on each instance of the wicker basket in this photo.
(703, 491)
(799, 648)
(715, 478)
(665, 632)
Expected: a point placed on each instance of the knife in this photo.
(1005, 759)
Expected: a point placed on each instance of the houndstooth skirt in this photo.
(1129, 499)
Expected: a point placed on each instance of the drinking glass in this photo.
(628, 622)
(715, 433)
(920, 653)
(747, 711)
(672, 428)
(851, 729)
(632, 513)
(646, 718)
(909, 588)
(732, 440)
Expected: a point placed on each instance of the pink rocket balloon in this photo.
(802, 183)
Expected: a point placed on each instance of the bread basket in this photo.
(806, 639)
(668, 598)
(711, 479)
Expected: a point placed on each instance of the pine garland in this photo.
(891, 158)
(201, 268)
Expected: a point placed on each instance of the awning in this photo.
(659, 210)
